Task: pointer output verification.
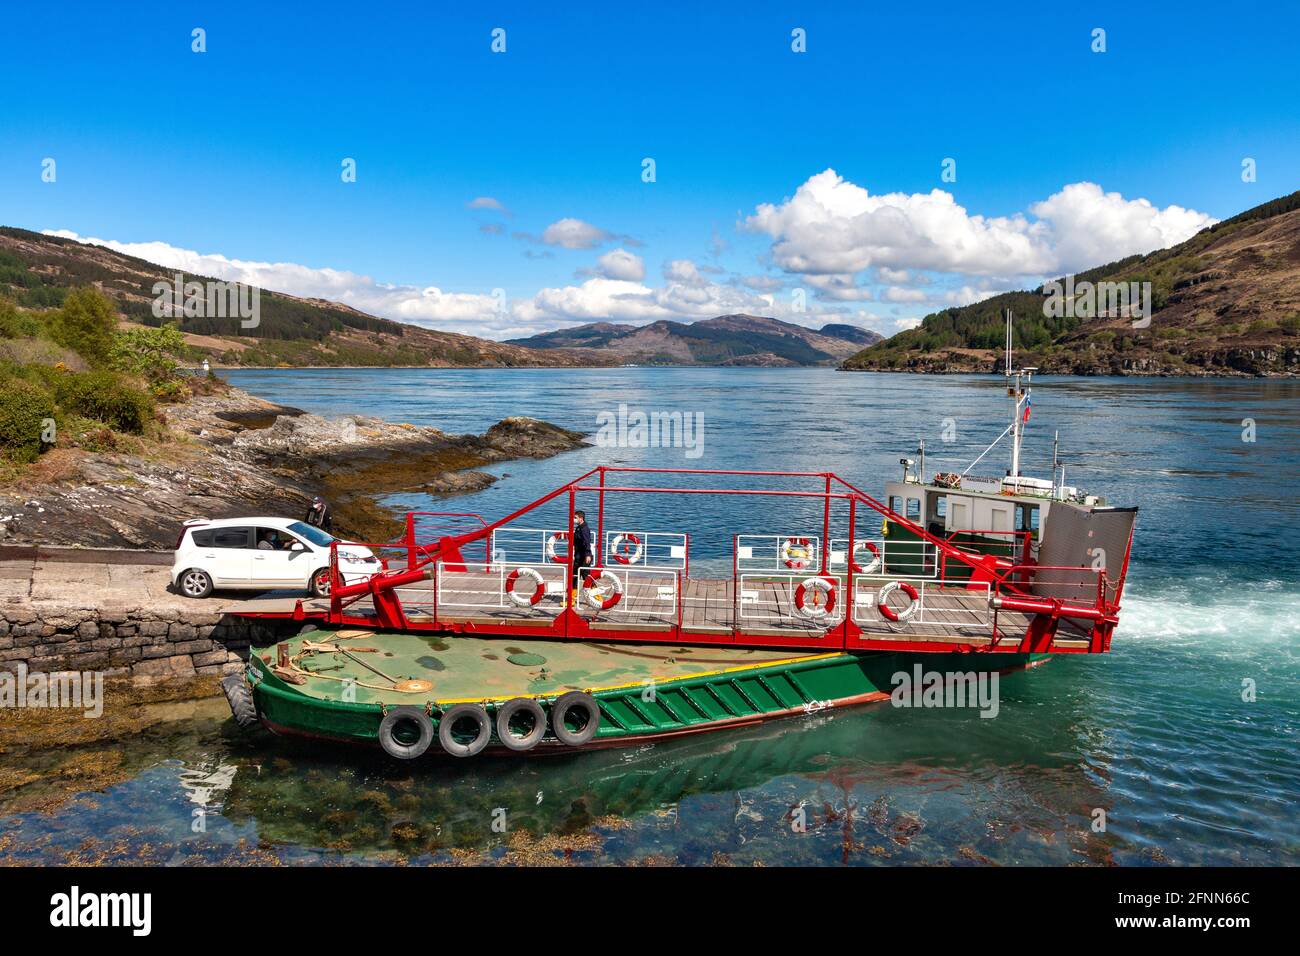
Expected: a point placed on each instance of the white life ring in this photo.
(887, 612)
(596, 584)
(628, 555)
(817, 608)
(552, 543)
(872, 566)
(796, 552)
(523, 598)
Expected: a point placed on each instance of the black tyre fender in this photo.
(560, 711)
(513, 708)
(240, 698)
(400, 718)
(457, 714)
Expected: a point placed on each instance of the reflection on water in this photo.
(1156, 735)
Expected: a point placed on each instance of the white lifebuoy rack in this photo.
(620, 551)
(523, 598)
(822, 592)
(872, 566)
(888, 613)
(602, 588)
(552, 547)
(797, 553)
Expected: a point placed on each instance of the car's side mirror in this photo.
(297, 546)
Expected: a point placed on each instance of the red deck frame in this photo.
(1006, 579)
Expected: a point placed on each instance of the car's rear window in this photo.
(230, 538)
(203, 539)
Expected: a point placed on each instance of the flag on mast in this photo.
(1028, 402)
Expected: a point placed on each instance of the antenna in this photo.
(1007, 371)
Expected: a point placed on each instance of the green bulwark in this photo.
(343, 689)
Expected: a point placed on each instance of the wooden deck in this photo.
(766, 609)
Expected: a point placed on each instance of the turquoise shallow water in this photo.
(1156, 733)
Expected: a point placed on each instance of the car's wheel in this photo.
(195, 583)
(320, 583)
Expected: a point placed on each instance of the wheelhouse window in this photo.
(1026, 517)
(895, 504)
(941, 506)
(913, 509)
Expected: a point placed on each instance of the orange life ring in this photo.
(623, 554)
(887, 612)
(552, 545)
(518, 597)
(788, 548)
(819, 586)
(875, 565)
(590, 582)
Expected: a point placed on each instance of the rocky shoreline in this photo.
(1269, 362)
(232, 454)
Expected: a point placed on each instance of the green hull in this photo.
(643, 691)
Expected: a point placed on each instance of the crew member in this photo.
(582, 557)
(319, 514)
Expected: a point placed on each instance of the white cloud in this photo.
(487, 202)
(574, 234)
(684, 272)
(832, 226)
(621, 264)
(968, 295)
(1090, 227)
(899, 294)
(840, 288)
(427, 305)
(893, 276)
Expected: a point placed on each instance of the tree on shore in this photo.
(86, 323)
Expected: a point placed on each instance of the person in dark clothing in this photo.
(319, 514)
(582, 556)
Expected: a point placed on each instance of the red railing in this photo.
(1011, 582)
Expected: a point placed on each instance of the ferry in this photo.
(470, 637)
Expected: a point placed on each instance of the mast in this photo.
(1014, 393)
(1017, 395)
(1056, 444)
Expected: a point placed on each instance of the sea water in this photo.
(1177, 747)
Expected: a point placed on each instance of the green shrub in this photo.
(85, 324)
(107, 398)
(149, 352)
(26, 410)
(16, 324)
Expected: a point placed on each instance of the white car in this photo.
(262, 554)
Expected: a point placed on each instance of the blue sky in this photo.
(235, 153)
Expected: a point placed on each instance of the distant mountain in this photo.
(725, 340)
(37, 271)
(851, 333)
(1225, 302)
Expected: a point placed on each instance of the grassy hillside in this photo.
(72, 378)
(38, 272)
(1226, 302)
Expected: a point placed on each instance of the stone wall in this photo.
(153, 642)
